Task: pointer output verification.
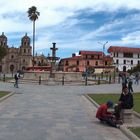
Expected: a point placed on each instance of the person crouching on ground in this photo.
(104, 115)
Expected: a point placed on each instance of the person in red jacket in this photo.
(105, 116)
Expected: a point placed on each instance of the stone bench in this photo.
(127, 115)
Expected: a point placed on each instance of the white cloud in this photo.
(55, 12)
(132, 38)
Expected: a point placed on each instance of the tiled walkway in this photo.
(52, 113)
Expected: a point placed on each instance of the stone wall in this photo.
(68, 76)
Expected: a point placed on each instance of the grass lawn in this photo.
(102, 98)
(6, 78)
(3, 93)
(136, 131)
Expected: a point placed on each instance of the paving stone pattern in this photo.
(52, 113)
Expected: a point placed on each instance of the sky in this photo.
(73, 25)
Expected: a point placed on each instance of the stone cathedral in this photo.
(16, 58)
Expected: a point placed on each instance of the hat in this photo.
(109, 103)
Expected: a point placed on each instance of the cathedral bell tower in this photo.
(25, 48)
(3, 40)
(25, 53)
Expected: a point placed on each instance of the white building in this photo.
(124, 57)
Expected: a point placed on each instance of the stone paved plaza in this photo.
(38, 112)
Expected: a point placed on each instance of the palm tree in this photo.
(33, 16)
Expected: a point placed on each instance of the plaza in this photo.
(40, 112)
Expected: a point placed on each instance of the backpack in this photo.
(16, 77)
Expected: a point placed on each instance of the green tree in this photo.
(135, 69)
(90, 70)
(33, 15)
(3, 52)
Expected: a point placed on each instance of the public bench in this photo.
(127, 115)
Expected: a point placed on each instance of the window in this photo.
(117, 61)
(24, 50)
(87, 63)
(67, 63)
(131, 62)
(128, 55)
(23, 60)
(138, 55)
(117, 54)
(96, 63)
(124, 61)
(42, 61)
(12, 68)
(114, 54)
(77, 62)
(12, 56)
(105, 63)
(23, 68)
(138, 62)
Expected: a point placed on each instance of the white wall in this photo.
(121, 59)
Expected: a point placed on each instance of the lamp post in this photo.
(103, 44)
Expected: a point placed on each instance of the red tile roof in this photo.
(73, 58)
(91, 52)
(108, 58)
(123, 49)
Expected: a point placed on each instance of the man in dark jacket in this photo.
(16, 77)
(126, 99)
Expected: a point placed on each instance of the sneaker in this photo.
(117, 125)
(120, 122)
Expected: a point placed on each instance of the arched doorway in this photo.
(23, 68)
(124, 68)
(12, 69)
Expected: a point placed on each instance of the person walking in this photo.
(130, 83)
(124, 81)
(16, 77)
(137, 78)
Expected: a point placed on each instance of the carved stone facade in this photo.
(16, 58)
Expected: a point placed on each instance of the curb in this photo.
(136, 114)
(5, 97)
(92, 101)
(128, 133)
(123, 128)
